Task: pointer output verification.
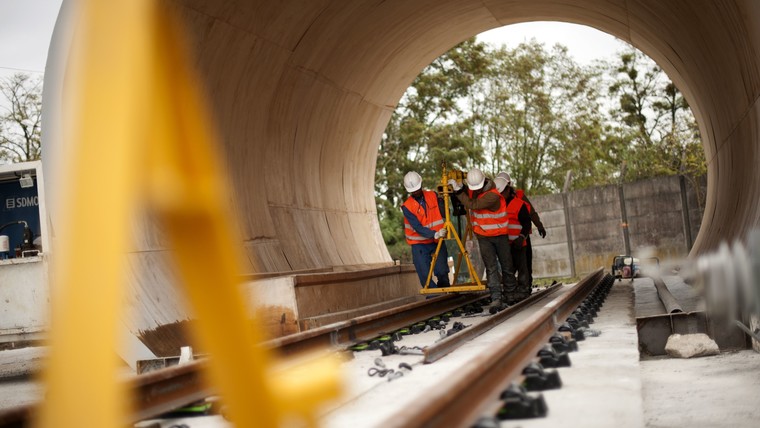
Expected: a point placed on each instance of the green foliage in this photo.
(428, 127)
(654, 121)
(21, 118)
(534, 108)
(535, 113)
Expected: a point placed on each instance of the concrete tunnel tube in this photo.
(302, 91)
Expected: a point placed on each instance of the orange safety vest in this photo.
(519, 194)
(513, 211)
(490, 223)
(431, 219)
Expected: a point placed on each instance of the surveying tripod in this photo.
(474, 284)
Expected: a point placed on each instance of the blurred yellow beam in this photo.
(141, 139)
(103, 143)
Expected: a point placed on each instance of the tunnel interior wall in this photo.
(301, 91)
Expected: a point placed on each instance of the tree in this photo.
(537, 112)
(655, 120)
(21, 118)
(428, 127)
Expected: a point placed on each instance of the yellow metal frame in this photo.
(475, 284)
(140, 138)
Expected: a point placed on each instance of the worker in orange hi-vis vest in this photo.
(489, 223)
(519, 228)
(534, 218)
(423, 227)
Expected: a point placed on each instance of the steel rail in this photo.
(164, 390)
(462, 398)
(154, 393)
(438, 350)
(366, 327)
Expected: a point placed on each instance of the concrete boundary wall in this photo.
(663, 218)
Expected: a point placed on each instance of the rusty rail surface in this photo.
(462, 398)
(346, 333)
(154, 393)
(164, 390)
(167, 389)
(438, 350)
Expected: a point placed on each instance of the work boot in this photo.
(496, 305)
(518, 297)
(510, 299)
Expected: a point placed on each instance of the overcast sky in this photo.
(27, 25)
(585, 44)
(25, 30)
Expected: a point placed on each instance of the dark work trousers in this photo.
(422, 256)
(497, 257)
(529, 260)
(520, 259)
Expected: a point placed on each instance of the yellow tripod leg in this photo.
(100, 191)
(476, 285)
(466, 254)
(469, 235)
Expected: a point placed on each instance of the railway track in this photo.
(476, 388)
(161, 391)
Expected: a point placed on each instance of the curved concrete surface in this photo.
(303, 89)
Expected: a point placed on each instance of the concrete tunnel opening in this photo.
(487, 144)
(302, 93)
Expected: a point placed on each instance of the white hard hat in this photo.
(475, 179)
(412, 182)
(500, 183)
(506, 177)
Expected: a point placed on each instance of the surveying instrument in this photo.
(474, 285)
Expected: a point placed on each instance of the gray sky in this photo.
(25, 30)
(26, 27)
(585, 44)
